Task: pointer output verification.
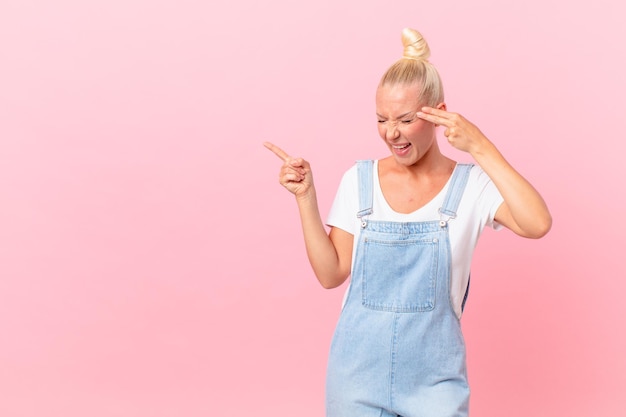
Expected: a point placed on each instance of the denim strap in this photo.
(366, 189)
(455, 191)
(451, 203)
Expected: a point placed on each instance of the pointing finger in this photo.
(277, 151)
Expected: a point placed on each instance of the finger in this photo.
(293, 177)
(451, 131)
(290, 168)
(438, 120)
(296, 162)
(277, 151)
(437, 112)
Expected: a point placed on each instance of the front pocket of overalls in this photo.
(400, 275)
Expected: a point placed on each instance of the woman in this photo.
(404, 228)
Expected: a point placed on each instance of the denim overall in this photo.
(398, 349)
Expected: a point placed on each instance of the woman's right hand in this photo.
(330, 255)
(295, 174)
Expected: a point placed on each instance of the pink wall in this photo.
(151, 265)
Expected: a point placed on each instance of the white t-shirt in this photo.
(476, 210)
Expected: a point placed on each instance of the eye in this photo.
(406, 122)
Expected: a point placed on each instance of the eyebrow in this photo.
(399, 117)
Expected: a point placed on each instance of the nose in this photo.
(392, 131)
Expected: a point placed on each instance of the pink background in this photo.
(151, 265)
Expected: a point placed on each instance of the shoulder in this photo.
(351, 175)
(480, 190)
(348, 185)
(478, 179)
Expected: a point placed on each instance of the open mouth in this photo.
(401, 147)
(401, 150)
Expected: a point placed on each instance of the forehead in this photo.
(395, 98)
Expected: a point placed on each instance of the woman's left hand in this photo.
(460, 132)
(523, 210)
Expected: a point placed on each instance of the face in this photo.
(408, 137)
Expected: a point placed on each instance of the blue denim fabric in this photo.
(398, 349)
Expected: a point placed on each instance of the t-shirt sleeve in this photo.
(490, 198)
(345, 206)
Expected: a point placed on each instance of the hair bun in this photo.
(415, 46)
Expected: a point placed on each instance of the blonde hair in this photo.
(414, 68)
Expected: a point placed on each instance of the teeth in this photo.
(401, 146)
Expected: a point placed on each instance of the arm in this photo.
(330, 254)
(523, 210)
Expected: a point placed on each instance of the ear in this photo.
(441, 106)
